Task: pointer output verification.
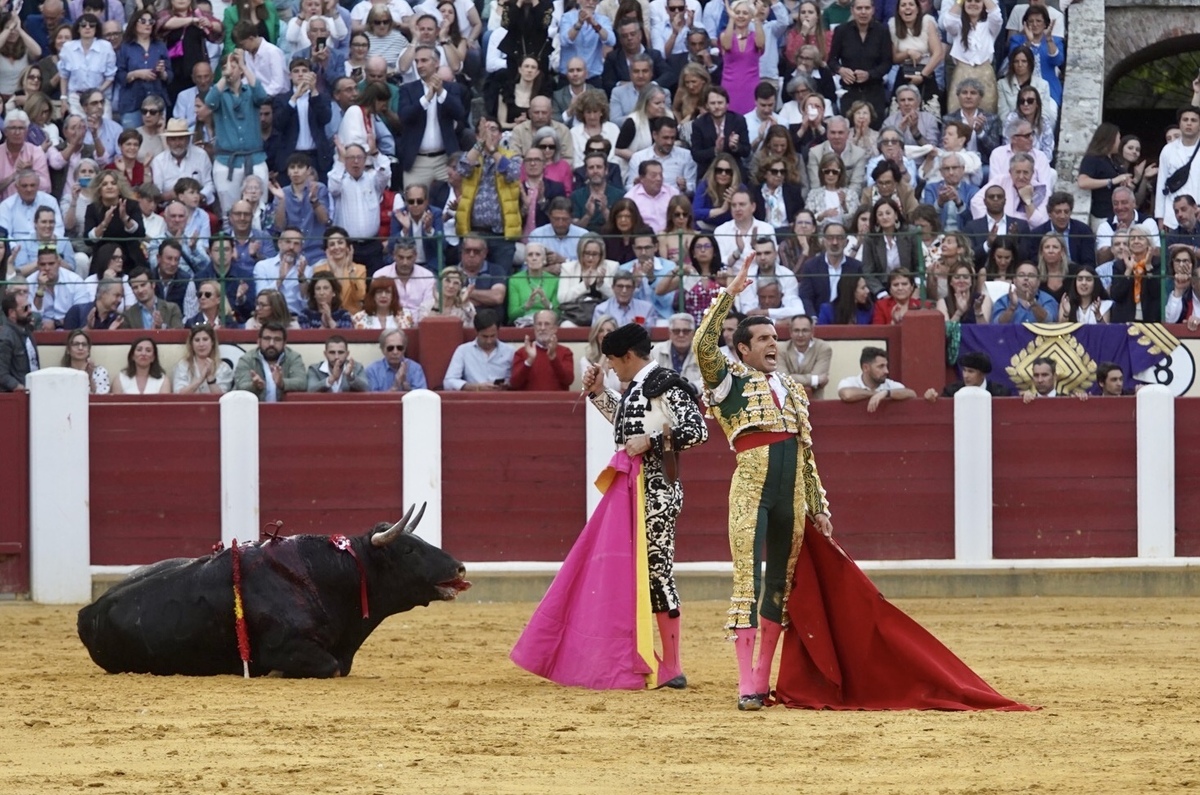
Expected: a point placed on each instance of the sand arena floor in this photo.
(434, 706)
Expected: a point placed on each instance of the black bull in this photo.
(301, 598)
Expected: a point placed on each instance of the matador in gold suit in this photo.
(775, 487)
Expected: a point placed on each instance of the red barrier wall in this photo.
(1187, 477)
(156, 483)
(330, 466)
(513, 471)
(1065, 475)
(14, 493)
(889, 477)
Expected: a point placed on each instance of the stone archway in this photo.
(1139, 31)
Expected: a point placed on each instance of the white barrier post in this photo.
(422, 450)
(1156, 472)
(599, 441)
(239, 468)
(59, 487)
(972, 475)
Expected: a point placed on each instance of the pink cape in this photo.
(586, 631)
(849, 648)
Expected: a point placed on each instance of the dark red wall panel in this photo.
(513, 469)
(330, 465)
(889, 477)
(14, 493)
(156, 484)
(1065, 475)
(1187, 477)
(702, 533)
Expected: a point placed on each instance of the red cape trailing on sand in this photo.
(592, 628)
(849, 648)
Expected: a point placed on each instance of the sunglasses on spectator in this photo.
(206, 294)
(776, 170)
(381, 21)
(681, 213)
(722, 170)
(551, 147)
(415, 201)
(673, 9)
(151, 111)
(890, 141)
(831, 171)
(86, 24)
(1027, 100)
(596, 152)
(392, 348)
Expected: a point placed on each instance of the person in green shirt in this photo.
(836, 14)
(533, 289)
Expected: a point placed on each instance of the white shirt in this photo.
(68, 291)
(266, 276)
(17, 217)
(835, 275)
(399, 10)
(304, 139)
(269, 67)
(1173, 157)
(678, 163)
(856, 382)
(195, 164)
(185, 106)
(431, 140)
(357, 201)
(981, 41)
(727, 232)
(1173, 312)
(1106, 230)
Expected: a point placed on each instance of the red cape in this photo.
(849, 648)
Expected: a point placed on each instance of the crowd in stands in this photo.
(284, 164)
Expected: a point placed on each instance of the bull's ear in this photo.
(387, 536)
(413, 524)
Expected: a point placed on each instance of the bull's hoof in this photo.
(752, 703)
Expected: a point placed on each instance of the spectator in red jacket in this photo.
(543, 365)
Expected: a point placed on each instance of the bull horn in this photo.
(413, 524)
(387, 536)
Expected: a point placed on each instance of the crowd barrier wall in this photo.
(513, 471)
(14, 494)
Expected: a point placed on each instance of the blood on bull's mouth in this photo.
(451, 588)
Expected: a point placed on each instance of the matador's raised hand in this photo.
(740, 282)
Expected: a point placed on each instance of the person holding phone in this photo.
(484, 364)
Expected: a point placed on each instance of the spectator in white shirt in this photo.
(679, 169)
(267, 60)
(357, 184)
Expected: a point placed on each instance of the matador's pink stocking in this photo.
(669, 631)
(744, 646)
(768, 632)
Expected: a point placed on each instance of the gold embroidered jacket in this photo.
(739, 398)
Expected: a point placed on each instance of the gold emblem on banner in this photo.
(1074, 369)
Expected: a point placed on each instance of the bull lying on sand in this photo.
(304, 599)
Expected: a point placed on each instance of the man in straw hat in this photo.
(181, 159)
(654, 419)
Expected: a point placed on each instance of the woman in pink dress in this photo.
(742, 44)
